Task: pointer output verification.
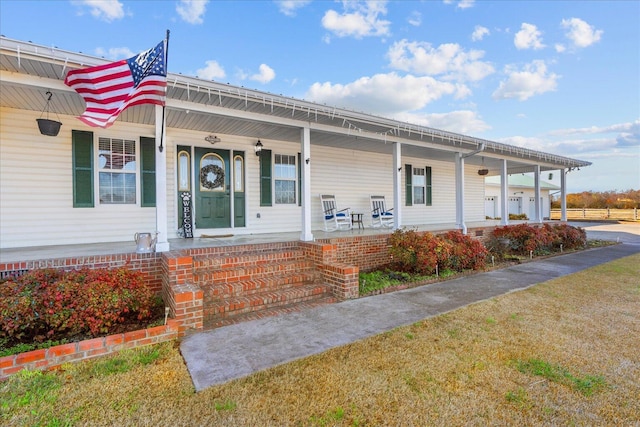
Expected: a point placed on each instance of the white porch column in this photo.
(162, 244)
(305, 143)
(460, 193)
(538, 204)
(563, 195)
(504, 194)
(397, 181)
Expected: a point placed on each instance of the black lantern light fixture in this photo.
(258, 148)
(45, 125)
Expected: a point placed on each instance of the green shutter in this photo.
(82, 164)
(265, 178)
(408, 174)
(428, 185)
(147, 172)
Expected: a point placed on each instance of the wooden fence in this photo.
(595, 214)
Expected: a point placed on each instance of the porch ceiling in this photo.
(28, 71)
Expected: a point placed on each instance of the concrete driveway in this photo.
(623, 232)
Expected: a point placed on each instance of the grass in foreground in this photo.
(561, 353)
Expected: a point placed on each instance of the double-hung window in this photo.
(117, 171)
(285, 179)
(121, 166)
(417, 185)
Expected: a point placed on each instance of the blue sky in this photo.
(556, 76)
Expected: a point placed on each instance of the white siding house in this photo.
(76, 188)
(521, 194)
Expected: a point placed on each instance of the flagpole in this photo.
(166, 68)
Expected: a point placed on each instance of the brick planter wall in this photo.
(83, 350)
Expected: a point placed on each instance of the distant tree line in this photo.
(600, 200)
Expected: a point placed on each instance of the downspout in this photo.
(460, 224)
(473, 153)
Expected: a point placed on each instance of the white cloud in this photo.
(289, 7)
(461, 4)
(581, 33)
(192, 11)
(625, 134)
(115, 53)
(415, 19)
(105, 10)
(479, 32)
(265, 75)
(385, 94)
(529, 37)
(448, 60)
(589, 143)
(560, 47)
(359, 19)
(211, 71)
(533, 79)
(462, 121)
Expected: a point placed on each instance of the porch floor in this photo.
(33, 253)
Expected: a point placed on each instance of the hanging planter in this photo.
(47, 126)
(483, 171)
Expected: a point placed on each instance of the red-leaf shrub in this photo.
(422, 253)
(523, 238)
(468, 253)
(570, 237)
(49, 302)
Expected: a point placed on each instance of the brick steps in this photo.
(248, 271)
(259, 285)
(256, 282)
(229, 307)
(247, 259)
(269, 312)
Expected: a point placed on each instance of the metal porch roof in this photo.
(27, 71)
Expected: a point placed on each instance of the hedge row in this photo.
(423, 253)
(45, 303)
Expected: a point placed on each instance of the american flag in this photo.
(110, 89)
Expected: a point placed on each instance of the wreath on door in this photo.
(204, 177)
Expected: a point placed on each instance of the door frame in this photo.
(194, 180)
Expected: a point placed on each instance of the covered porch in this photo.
(213, 281)
(45, 254)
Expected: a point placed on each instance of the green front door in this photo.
(212, 189)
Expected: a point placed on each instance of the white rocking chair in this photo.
(334, 218)
(380, 215)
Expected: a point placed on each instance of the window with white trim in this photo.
(285, 179)
(418, 189)
(117, 171)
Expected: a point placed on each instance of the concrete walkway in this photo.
(220, 355)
